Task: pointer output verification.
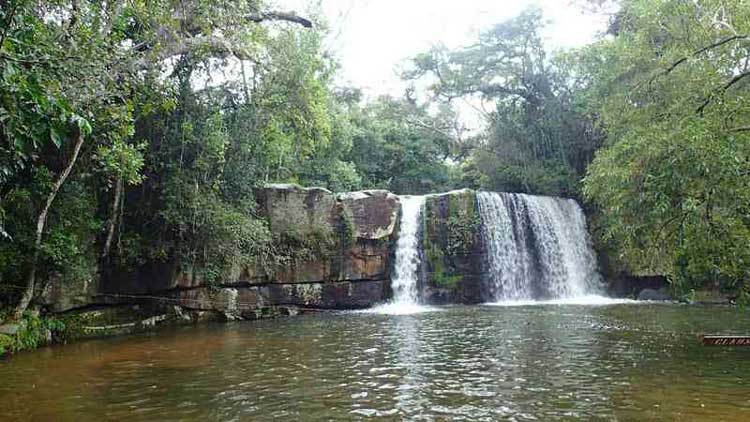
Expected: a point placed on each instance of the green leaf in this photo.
(83, 124)
(55, 137)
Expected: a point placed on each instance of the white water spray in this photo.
(406, 270)
(404, 282)
(537, 248)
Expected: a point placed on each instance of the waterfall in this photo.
(404, 282)
(536, 248)
(406, 270)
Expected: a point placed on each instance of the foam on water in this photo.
(586, 300)
(396, 308)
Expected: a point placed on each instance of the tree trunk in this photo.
(114, 217)
(41, 221)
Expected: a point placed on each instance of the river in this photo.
(536, 362)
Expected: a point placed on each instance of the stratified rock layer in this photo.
(336, 253)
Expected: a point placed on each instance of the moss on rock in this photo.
(452, 247)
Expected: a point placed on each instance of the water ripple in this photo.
(555, 362)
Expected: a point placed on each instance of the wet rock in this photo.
(253, 302)
(10, 329)
(452, 249)
(373, 213)
(231, 301)
(651, 294)
(152, 321)
(63, 295)
(331, 295)
(630, 285)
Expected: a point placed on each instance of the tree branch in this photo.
(280, 16)
(11, 16)
(703, 50)
(722, 90)
(218, 46)
(432, 128)
(698, 52)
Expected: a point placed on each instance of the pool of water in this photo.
(525, 362)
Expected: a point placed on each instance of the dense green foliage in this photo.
(671, 89)
(537, 138)
(135, 132)
(398, 145)
(450, 235)
(32, 332)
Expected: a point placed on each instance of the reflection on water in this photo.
(543, 362)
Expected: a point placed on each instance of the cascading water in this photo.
(406, 269)
(536, 248)
(404, 282)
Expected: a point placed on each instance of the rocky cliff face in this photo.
(338, 255)
(334, 252)
(330, 252)
(452, 249)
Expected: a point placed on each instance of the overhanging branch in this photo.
(703, 50)
(696, 53)
(721, 90)
(215, 45)
(280, 16)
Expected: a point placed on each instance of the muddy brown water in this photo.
(539, 362)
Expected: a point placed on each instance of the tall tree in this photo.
(537, 138)
(672, 83)
(76, 76)
(400, 146)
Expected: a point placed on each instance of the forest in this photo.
(135, 131)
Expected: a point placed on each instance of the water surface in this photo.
(542, 362)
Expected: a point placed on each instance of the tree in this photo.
(55, 87)
(537, 138)
(77, 78)
(398, 145)
(671, 89)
